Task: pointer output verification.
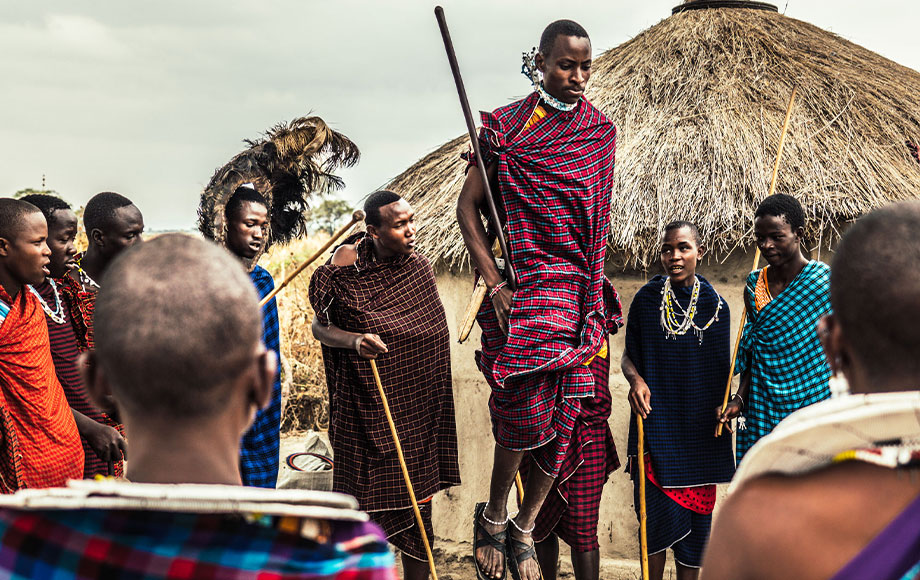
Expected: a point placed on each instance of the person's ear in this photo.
(800, 232)
(834, 343)
(372, 230)
(5, 247)
(95, 381)
(96, 236)
(540, 62)
(266, 371)
(701, 251)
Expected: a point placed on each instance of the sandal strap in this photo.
(527, 550)
(496, 540)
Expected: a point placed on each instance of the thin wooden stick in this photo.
(643, 530)
(405, 470)
(779, 156)
(519, 484)
(357, 216)
(479, 294)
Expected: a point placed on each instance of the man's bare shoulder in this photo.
(345, 255)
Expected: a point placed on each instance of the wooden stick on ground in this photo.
(405, 470)
(779, 155)
(357, 216)
(643, 533)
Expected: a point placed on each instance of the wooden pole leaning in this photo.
(779, 156)
(357, 216)
(405, 470)
(643, 523)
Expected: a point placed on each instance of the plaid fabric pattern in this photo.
(572, 508)
(261, 445)
(402, 530)
(112, 545)
(396, 299)
(42, 447)
(64, 353)
(555, 183)
(81, 305)
(687, 380)
(781, 350)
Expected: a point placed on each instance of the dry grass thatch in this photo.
(699, 100)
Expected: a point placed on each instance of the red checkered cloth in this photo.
(572, 508)
(555, 183)
(81, 305)
(41, 444)
(396, 299)
(65, 350)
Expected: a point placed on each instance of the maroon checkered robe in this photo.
(396, 299)
(555, 182)
(81, 305)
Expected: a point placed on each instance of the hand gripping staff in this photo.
(471, 126)
(405, 470)
(357, 216)
(779, 155)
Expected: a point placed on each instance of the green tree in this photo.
(30, 190)
(329, 214)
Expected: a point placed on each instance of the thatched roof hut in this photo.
(699, 101)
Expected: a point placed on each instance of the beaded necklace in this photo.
(670, 310)
(85, 278)
(553, 101)
(58, 314)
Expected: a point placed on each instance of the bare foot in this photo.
(491, 561)
(529, 568)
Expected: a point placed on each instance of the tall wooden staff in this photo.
(643, 524)
(405, 470)
(779, 155)
(357, 216)
(471, 127)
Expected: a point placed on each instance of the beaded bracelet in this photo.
(495, 290)
(740, 398)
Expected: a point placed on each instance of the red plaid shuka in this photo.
(81, 305)
(555, 182)
(396, 299)
(41, 444)
(65, 348)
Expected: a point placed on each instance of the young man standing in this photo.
(551, 156)
(40, 443)
(376, 299)
(247, 220)
(780, 359)
(103, 444)
(676, 361)
(112, 223)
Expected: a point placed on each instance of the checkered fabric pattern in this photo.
(113, 545)
(572, 508)
(781, 350)
(402, 529)
(42, 447)
(396, 299)
(260, 447)
(555, 183)
(64, 352)
(687, 380)
(81, 306)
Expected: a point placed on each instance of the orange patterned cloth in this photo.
(41, 444)
(762, 295)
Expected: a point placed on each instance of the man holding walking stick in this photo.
(376, 300)
(550, 157)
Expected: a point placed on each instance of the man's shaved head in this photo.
(12, 216)
(176, 322)
(875, 289)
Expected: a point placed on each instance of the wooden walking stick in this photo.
(643, 534)
(357, 216)
(731, 369)
(405, 470)
(474, 138)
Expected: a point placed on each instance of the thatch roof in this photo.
(699, 100)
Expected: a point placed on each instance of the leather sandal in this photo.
(527, 551)
(482, 538)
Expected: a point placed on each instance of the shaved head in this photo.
(875, 289)
(177, 321)
(12, 216)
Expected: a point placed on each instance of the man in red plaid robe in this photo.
(551, 156)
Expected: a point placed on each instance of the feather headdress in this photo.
(287, 165)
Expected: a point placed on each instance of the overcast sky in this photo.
(149, 98)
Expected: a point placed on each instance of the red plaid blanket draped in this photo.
(555, 181)
(398, 300)
(41, 444)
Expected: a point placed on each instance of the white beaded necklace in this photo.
(58, 314)
(669, 316)
(86, 280)
(553, 101)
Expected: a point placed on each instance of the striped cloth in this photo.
(41, 444)
(398, 300)
(261, 445)
(555, 182)
(81, 305)
(143, 545)
(64, 352)
(781, 350)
